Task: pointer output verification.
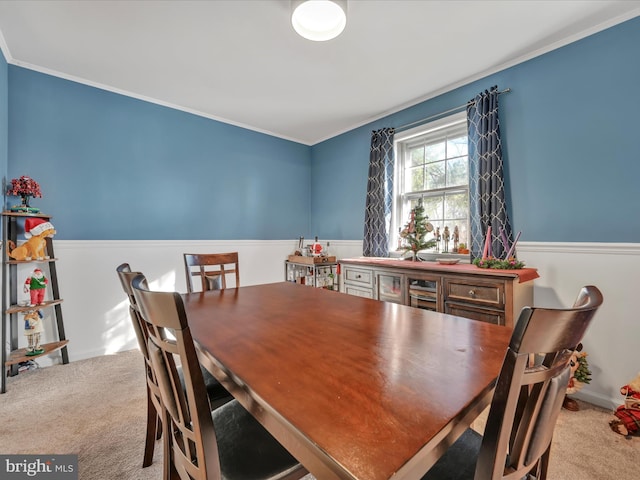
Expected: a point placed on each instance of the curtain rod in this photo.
(451, 110)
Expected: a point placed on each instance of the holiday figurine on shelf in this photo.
(36, 286)
(26, 188)
(415, 231)
(445, 240)
(36, 231)
(32, 330)
(456, 239)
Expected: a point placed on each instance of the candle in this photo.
(490, 240)
(485, 252)
(513, 247)
(505, 240)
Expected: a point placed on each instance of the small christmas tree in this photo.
(582, 373)
(415, 231)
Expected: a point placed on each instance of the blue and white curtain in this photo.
(486, 182)
(377, 215)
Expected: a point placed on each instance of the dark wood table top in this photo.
(353, 387)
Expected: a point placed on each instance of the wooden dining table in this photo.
(354, 388)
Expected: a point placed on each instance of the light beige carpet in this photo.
(96, 408)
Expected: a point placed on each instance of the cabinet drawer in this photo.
(360, 277)
(488, 294)
(358, 292)
(475, 313)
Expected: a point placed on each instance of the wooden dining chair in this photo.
(227, 443)
(213, 269)
(217, 394)
(153, 400)
(527, 399)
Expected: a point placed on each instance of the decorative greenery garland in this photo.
(511, 264)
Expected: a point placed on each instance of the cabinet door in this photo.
(390, 287)
(424, 291)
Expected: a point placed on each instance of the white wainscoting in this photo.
(613, 340)
(96, 311)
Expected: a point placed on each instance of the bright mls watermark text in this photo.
(50, 467)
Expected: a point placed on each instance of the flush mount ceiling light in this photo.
(319, 20)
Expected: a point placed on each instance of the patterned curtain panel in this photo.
(486, 183)
(377, 215)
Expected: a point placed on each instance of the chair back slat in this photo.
(214, 270)
(531, 387)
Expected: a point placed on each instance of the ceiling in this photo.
(242, 63)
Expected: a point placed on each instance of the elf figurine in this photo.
(36, 286)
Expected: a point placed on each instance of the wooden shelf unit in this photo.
(315, 272)
(11, 355)
(20, 355)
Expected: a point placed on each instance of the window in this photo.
(432, 164)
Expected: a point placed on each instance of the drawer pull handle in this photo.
(358, 276)
(472, 293)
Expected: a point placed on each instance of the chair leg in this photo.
(544, 464)
(152, 431)
(168, 470)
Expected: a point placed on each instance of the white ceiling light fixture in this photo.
(319, 20)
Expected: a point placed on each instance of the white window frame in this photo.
(400, 139)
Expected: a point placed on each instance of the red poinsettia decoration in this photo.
(24, 187)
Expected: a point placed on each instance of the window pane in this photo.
(437, 224)
(456, 206)
(417, 156)
(414, 180)
(457, 172)
(433, 207)
(410, 206)
(463, 233)
(435, 175)
(457, 147)
(435, 152)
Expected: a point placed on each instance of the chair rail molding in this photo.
(580, 247)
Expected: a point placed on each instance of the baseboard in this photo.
(599, 400)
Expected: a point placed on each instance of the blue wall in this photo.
(113, 167)
(4, 117)
(569, 128)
